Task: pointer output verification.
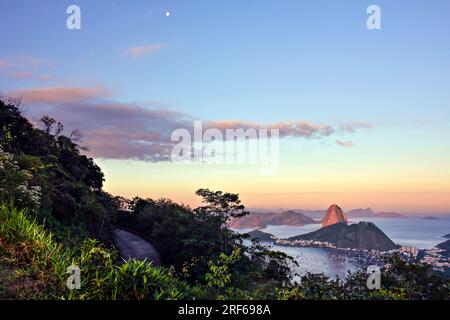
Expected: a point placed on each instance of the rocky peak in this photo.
(334, 215)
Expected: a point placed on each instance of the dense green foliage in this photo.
(47, 162)
(54, 214)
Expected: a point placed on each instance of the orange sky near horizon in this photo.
(413, 196)
(401, 202)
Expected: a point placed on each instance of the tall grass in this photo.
(39, 262)
(40, 265)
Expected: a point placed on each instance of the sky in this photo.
(363, 114)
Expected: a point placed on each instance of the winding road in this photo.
(131, 246)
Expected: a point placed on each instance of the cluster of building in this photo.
(323, 244)
(409, 251)
(305, 243)
(435, 258)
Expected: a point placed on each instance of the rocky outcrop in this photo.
(334, 215)
(363, 235)
(261, 236)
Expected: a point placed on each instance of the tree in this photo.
(227, 206)
(50, 126)
(220, 209)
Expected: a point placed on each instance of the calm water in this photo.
(417, 232)
(319, 260)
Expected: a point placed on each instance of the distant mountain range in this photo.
(355, 213)
(430, 218)
(258, 220)
(369, 213)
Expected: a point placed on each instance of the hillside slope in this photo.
(363, 235)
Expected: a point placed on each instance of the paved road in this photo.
(133, 246)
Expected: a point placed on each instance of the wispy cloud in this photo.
(355, 125)
(20, 75)
(25, 61)
(287, 129)
(61, 95)
(137, 52)
(46, 77)
(4, 63)
(25, 67)
(345, 144)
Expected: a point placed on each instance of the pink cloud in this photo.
(58, 95)
(26, 61)
(20, 75)
(287, 129)
(46, 77)
(354, 125)
(4, 63)
(140, 51)
(345, 144)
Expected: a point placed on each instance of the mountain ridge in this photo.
(320, 213)
(369, 213)
(362, 235)
(261, 220)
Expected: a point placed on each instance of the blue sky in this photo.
(260, 61)
(242, 59)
